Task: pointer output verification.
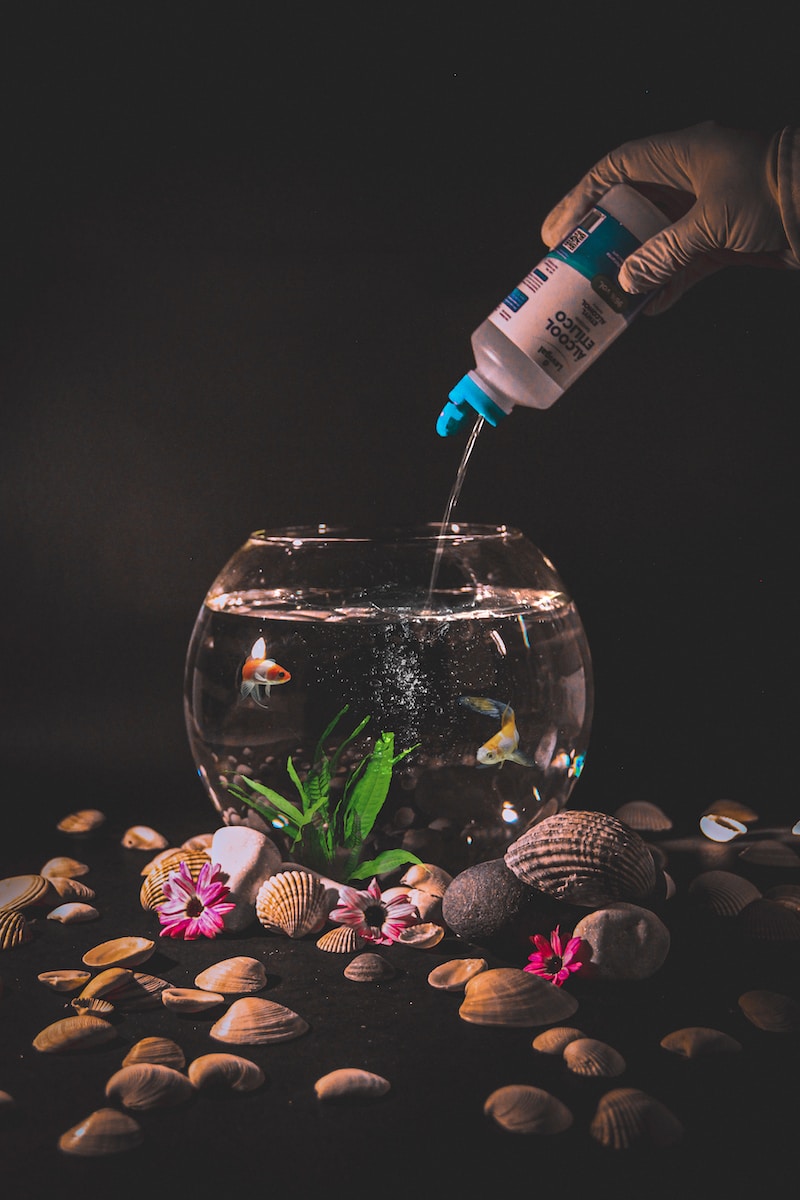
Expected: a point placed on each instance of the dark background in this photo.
(243, 253)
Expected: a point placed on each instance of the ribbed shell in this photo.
(342, 939)
(292, 902)
(627, 1117)
(253, 1021)
(151, 893)
(591, 1057)
(585, 858)
(643, 816)
(771, 1011)
(721, 893)
(14, 929)
(156, 1050)
(73, 1033)
(510, 996)
(553, 1041)
(369, 967)
(522, 1108)
(21, 891)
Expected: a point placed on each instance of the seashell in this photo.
(785, 893)
(423, 936)
(105, 1131)
(511, 996)
(522, 1108)
(158, 859)
(769, 921)
(23, 891)
(696, 1040)
(721, 893)
(229, 1071)
(425, 877)
(73, 913)
(254, 1021)
(238, 974)
(369, 967)
(73, 1033)
(183, 999)
(151, 893)
(82, 821)
(143, 837)
(155, 1050)
(770, 1011)
(15, 929)
(627, 941)
(7, 1101)
(64, 867)
(342, 939)
(643, 816)
(119, 952)
(586, 858)
(627, 1118)
(591, 1057)
(292, 902)
(94, 1005)
(553, 1041)
(770, 853)
(454, 975)
(200, 841)
(140, 992)
(149, 1085)
(107, 983)
(351, 1083)
(64, 980)
(719, 828)
(732, 809)
(71, 889)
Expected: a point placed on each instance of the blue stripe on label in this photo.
(515, 300)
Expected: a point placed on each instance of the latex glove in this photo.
(719, 188)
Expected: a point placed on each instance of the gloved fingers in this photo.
(671, 250)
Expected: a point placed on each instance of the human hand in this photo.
(719, 188)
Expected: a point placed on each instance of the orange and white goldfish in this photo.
(504, 745)
(260, 673)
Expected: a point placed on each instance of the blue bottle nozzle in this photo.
(466, 399)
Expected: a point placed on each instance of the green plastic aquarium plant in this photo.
(328, 832)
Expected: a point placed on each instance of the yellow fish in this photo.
(504, 745)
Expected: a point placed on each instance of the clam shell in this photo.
(721, 893)
(733, 809)
(770, 853)
(342, 939)
(454, 975)
(199, 841)
(68, 888)
(719, 828)
(591, 1057)
(155, 1050)
(189, 1000)
(149, 1085)
(75, 912)
(82, 821)
(771, 1011)
(229, 1071)
(292, 902)
(143, 837)
(105, 1131)
(585, 858)
(426, 877)
(695, 1040)
(237, 974)
(627, 1117)
(64, 980)
(351, 1083)
(423, 936)
(139, 992)
(254, 1021)
(522, 1108)
(94, 1005)
(15, 929)
(151, 893)
(107, 982)
(23, 891)
(643, 816)
(510, 996)
(369, 967)
(553, 1041)
(64, 867)
(73, 1033)
(119, 952)
(768, 921)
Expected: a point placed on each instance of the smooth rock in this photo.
(627, 941)
(247, 857)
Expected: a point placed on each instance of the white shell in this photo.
(64, 867)
(350, 1083)
(73, 1033)
(182, 999)
(454, 975)
(73, 913)
(143, 837)
(423, 936)
(237, 974)
(119, 952)
(64, 980)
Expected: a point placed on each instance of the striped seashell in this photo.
(369, 967)
(511, 996)
(75, 912)
(145, 1085)
(643, 816)
(105, 1131)
(771, 1011)
(64, 980)
(770, 853)
(342, 939)
(253, 1021)
(24, 891)
(627, 1118)
(585, 858)
(591, 1057)
(694, 1041)
(721, 893)
(454, 975)
(156, 1050)
(120, 952)
(141, 992)
(151, 893)
(15, 929)
(96, 1006)
(83, 821)
(64, 867)
(785, 893)
(522, 1108)
(292, 902)
(768, 921)
(237, 974)
(351, 1083)
(229, 1071)
(183, 999)
(553, 1041)
(73, 1033)
(68, 888)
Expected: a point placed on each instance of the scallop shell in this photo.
(73, 1033)
(238, 974)
(694, 1041)
(643, 816)
(190, 1000)
(292, 902)
(23, 891)
(351, 1083)
(94, 1005)
(522, 1108)
(454, 975)
(771, 1011)
(143, 837)
(149, 1085)
(253, 1021)
(155, 1050)
(229, 1071)
(585, 858)
(627, 1117)
(151, 893)
(73, 913)
(15, 929)
(139, 992)
(64, 980)
(553, 1041)
(770, 853)
(119, 952)
(591, 1057)
(342, 939)
(423, 936)
(105, 1131)
(369, 967)
(64, 867)
(721, 893)
(510, 996)
(68, 888)
(82, 821)
(768, 921)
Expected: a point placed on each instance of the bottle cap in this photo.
(465, 400)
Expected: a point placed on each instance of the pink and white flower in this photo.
(375, 917)
(194, 909)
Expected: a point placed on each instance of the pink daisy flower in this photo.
(554, 961)
(373, 917)
(194, 909)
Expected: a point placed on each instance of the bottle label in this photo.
(570, 306)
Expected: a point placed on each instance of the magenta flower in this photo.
(554, 961)
(373, 917)
(194, 909)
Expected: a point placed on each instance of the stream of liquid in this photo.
(451, 504)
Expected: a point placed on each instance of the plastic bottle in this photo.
(559, 319)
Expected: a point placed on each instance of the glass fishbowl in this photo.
(454, 653)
